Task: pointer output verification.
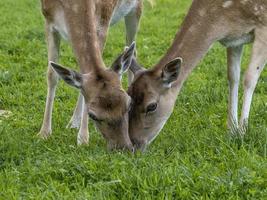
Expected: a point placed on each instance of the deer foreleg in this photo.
(257, 63)
(234, 55)
(53, 40)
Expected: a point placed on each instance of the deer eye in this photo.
(151, 107)
(93, 117)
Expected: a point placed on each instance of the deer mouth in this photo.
(139, 145)
(122, 147)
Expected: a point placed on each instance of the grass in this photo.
(193, 158)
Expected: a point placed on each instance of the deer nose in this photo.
(131, 148)
(119, 146)
(139, 145)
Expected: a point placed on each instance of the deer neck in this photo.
(198, 32)
(82, 21)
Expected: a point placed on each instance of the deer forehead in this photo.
(112, 106)
(99, 78)
(143, 93)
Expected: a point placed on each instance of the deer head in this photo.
(152, 100)
(107, 103)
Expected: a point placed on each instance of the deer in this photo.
(85, 23)
(233, 23)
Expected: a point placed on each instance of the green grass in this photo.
(193, 158)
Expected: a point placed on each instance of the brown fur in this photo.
(207, 21)
(87, 23)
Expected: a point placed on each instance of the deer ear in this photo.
(123, 62)
(71, 77)
(171, 71)
(135, 66)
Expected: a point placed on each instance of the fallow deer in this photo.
(231, 22)
(85, 24)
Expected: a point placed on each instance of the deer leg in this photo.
(234, 55)
(257, 63)
(77, 114)
(53, 40)
(131, 24)
(83, 135)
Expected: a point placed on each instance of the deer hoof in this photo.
(44, 134)
(82, 141)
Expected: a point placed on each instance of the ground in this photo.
(194, 157)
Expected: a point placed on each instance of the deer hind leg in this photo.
(83, 134)
(131, 24)
(234, 55)
(257, 63)
(75, 120)
(53, 40)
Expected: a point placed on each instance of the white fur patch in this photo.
(227, 4)
(202, 12)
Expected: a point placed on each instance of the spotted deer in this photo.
(85, 24)
(231, 22)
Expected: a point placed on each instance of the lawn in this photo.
(194, 157)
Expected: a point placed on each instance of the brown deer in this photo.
(85, 24)
(231, 22)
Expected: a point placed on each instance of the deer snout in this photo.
(121, 146)
(139, 144)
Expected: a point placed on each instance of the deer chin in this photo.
(148, 134)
